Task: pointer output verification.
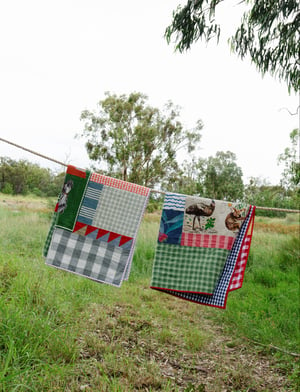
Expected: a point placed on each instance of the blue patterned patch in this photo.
(90, 203)
(171, 226)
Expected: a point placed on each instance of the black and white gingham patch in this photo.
(91, 258)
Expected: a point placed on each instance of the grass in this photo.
(60, 332)
(266, 309)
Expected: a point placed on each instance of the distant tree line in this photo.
(23, 177)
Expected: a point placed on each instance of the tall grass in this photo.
(266, 309)
(60, 332)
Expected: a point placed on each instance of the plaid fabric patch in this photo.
(84, 256)
(119, 211)
(50, 233)
(220, 294)
(103, 222)
(239, 271)
(187, 269)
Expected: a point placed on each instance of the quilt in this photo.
(202, 248)
(94, 226)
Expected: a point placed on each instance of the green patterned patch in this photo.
(50, 233)
(185, 268)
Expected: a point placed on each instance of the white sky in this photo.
(58, 58)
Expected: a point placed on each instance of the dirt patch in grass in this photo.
(122, 347)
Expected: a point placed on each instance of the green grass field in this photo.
(61, 332)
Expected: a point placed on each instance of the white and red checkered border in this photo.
(207, 241)
(120, 184)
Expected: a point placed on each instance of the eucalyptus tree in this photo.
(133, 141)
(269, 33)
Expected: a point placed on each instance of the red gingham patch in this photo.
(207, 241)
(120, 184)
(239, 271)
(240, 267)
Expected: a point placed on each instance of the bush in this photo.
(7, 189)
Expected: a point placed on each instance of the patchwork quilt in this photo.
(202, 248)
(94, 226)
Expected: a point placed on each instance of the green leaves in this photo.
(134, 141)
(290, 159)
(269, 34)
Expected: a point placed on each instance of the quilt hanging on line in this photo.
(94, 226)
(202, 248)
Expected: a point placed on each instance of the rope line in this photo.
(33, 152)
(152, 190)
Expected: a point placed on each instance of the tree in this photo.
(136, 142)
(268, 33)
(290, 158)
(216, 177)
(259, 192)
(222, 177)
(21, 177)
(188, 180)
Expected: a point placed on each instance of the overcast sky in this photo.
(58, 58)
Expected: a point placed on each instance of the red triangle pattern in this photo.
(90, 229)
(124, 239)
(113, 236)
(78, 226)
(101, 233)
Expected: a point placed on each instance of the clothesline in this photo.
(152, 190)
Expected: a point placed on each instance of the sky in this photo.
(58, 58)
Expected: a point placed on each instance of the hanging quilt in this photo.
(94, 227)
(202, 244)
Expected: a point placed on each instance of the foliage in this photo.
(222, 177)
(290, 158)
(137, 143)
(21, 177)
(7, 189)
(260, 193)
(187, 181)
(217, 177)
(268, 33)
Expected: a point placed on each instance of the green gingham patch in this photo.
(184, 268)
(191, 266)
(50, 233)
